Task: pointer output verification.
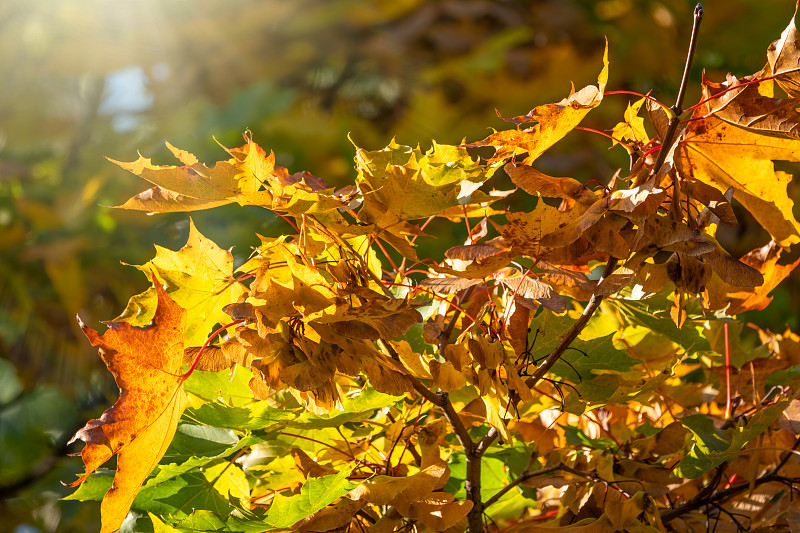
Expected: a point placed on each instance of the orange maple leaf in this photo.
(146, 364)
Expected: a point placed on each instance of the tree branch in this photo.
(472, 484)
(526, 475)
(705, 496)
(444, 336)
(458, 425)
(698, 17)
(574, 331)
(486, 441)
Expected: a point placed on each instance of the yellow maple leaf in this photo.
(632, 126)
(554, 121)
(722, 155)
(200, 279)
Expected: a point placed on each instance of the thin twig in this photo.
(703, 497)
(525, 476)
(698, 17)
(574, 331)
(486, 441)
(444, 336)
(674, 119)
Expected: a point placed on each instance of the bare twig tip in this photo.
(698, 11)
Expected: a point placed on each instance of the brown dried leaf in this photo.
(731, 271)
(525, 232)
(448, 285)
(637, 203)
(446, 377)
(615, 282)
(783, 59)
(790, 419)
(402, 492)
(568, 233)
(480, 268)
(745, 104)
(213, 358)
(536, 183)
(658, 117)
(332, 518)
(471, 252)
(524, 286)
(765, 261)
(308, 466)
(666, 442)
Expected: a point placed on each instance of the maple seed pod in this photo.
(674, 273)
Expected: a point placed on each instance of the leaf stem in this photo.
(188, 373)
(604, 134)
(526, 475)
(377, 241)
(640, 95)
(287, 220)
(332, 447)
(698, 17)
(444, 336)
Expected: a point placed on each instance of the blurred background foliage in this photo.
(86, 79)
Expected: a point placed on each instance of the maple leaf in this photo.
(199, 277)
(740, 129)
(160, 200)
(722, 293)
(554, 121)
(632, 126)
(193, 180)
(546, 228)
(138, 428)
(723, 156)
(749, 103)
(783, 59)
(534, 182)
(400, 183)
(249, 177)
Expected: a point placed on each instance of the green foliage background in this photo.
(83, 80)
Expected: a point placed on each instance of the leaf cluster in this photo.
(566, 367)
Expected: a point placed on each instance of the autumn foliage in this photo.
(573, 365)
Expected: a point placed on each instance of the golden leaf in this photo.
(722, 155)
(525, 232)
(199, 277)
(554, 121)
(632, 127)
(446, 377)
(763, 261)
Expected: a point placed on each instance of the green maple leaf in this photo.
(713, 446)
(315, 494)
